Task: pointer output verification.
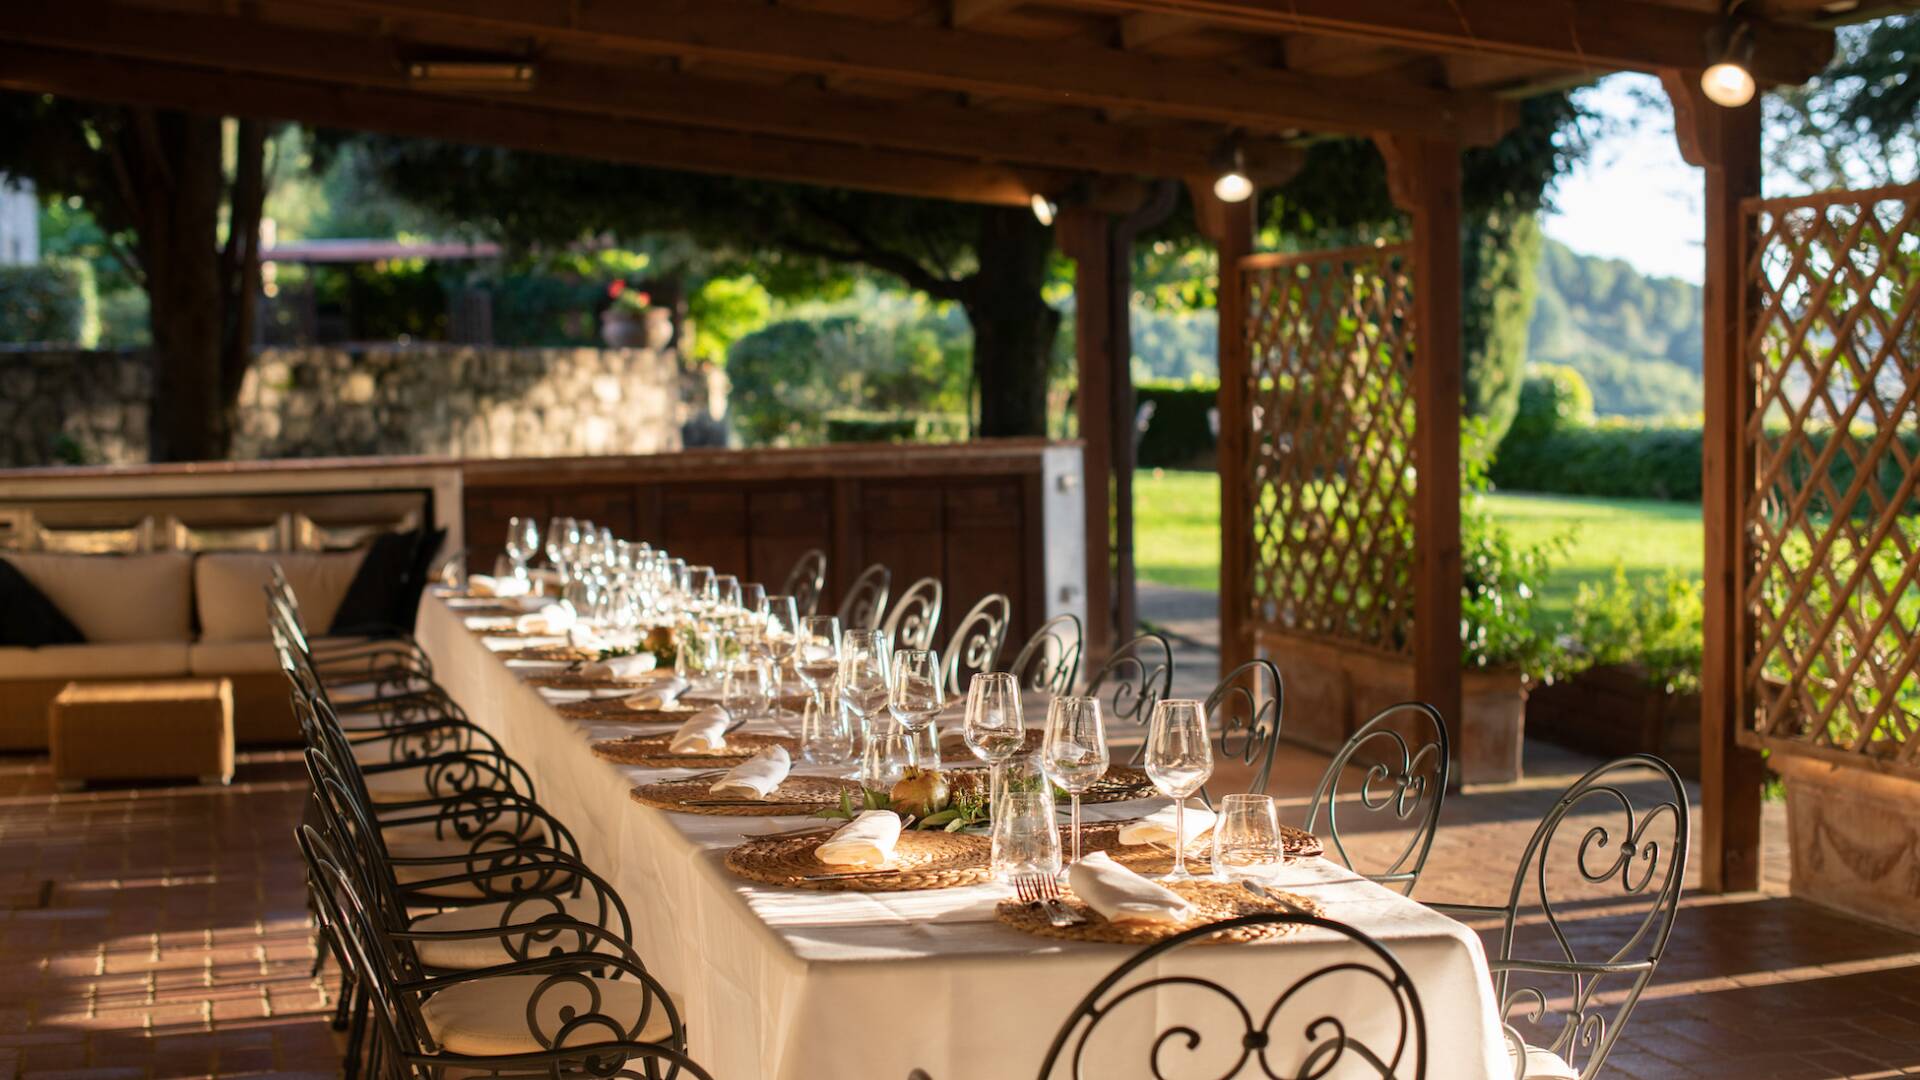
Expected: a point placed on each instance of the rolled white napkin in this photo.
(620, 667)
(867, 840)
(1122, 895)
(660, 696)
(704, 730)
(500, 588)
(1157, 827)
(552, 619)
(756, 777)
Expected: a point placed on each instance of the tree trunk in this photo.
(1013, 327)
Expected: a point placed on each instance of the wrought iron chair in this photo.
(1291, 1038)
(1247, 706)
(368, 641)
(866, 602)
(1134, 677)
(976, 641)
(1405, 752)
(1634, 857)
(1050, 660)
(912, 622)
(588, 1014)
(807, 580)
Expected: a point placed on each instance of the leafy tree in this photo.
(1635, 338)
(180, 222)
(1858, 123)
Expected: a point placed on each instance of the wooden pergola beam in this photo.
(787, 111)
(87, 76)
(1069, 73)
(1619, 34)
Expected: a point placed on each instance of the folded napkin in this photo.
(1157, 827)
(658, 696)
(704, 730)
(1122, 895)
(756, 777)
(620, 667)
(867, 840)
(552, 619)
(499, 588)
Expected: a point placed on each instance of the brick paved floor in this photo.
(162, 932)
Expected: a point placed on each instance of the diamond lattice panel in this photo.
(1331, 479)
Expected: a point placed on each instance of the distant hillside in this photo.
(1635, 338)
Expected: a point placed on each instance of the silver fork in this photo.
(1043, 892)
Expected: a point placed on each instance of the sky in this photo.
(1633, 197)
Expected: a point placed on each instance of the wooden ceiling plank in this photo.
(1144, 28)
(789, 111)
(968, 12)
(1062, 72)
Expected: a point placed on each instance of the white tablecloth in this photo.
(782, 983)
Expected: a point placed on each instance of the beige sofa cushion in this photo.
(232, 658)
(122, 661)
(118, 598)
(230, 589)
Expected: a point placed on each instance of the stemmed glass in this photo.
(783, 627)
(556, 531)
(917, 697)
(1074, 753)
(726, 593)
(994, 728)
(826, 735)
(523, 542)
(865, 681)
(1179, 761)
(753, 601)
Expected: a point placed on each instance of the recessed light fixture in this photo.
(472, 74)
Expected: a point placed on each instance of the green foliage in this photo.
(1614, 458)
(1636, 339)
(1501, 582)
(1655, 622)
(51, 302)
(389, 300)
(724, 310)
(1858, 124)
(1179, 434)
(848, 426)
(535, 306)
(1500, 260)
(1552, 398)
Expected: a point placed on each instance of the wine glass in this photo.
(865, 681)
(1026, 838)
(1179, 761)
(1074, 753)
(753, 600)
(917, 696)
(816, 651)
(745, 692)
(994, 728)
(523, 542)
(1246, 839)
(726, 593)
(783, 626)
(826, 736)
(555, 527)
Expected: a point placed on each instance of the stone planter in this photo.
(1333, 689)
(1614, 710)
(659, 327)
(620, 330)
(1855, 837)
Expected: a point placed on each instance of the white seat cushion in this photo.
(488, 1017)
(467, 954)
(229, 590)
(120, 598)
(1545, 1065)
(144, 659)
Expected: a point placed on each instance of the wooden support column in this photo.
(1424, 175)
(1230, 227)
(1084, 237)
(1726, 144)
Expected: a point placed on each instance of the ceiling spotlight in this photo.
(1044, 209)
(1728, 79)
(1232, 185)
(482, 75)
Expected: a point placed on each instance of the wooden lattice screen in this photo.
(1330, 479)
(1831, 544)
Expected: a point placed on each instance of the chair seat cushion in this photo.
(119, 598)
(229, 588)
(488, 1017)
(124, 660)
(466, 954)
(1546, 1065)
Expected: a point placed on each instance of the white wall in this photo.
(19, 222)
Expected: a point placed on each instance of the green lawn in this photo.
(1177, 534)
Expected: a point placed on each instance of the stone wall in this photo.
(473, 401)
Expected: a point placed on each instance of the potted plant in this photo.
(631, 320)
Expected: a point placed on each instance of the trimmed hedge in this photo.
(858, 427)
(1613, 459)
(51, 302)
(1179, 434)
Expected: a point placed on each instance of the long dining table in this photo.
(787, 983)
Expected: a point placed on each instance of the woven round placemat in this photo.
(796, 795)
(1151, 859)
(1211, 901)
(1121, 783)
(556, 652)
(651, 750)
(925, 860)
(790, 702)
(579, 680)
(616, 709)
(498, 626)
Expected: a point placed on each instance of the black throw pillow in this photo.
(385, 594)
(27, 617)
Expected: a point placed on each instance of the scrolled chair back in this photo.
(806, 580)
(1187, 1022)
(1403, 750)
(1615, 844)
(976, 641)
(1245, 709)
(1050, 660)
(866, 602)
(1135, 677)
(912, 622)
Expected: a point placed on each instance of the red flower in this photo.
(616, 287)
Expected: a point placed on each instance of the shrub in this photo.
(1179, 432)
(1501, 581)
(52, 302)
(1552, 398)
(1614, 458)
(864, 427)
(1657, 622)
